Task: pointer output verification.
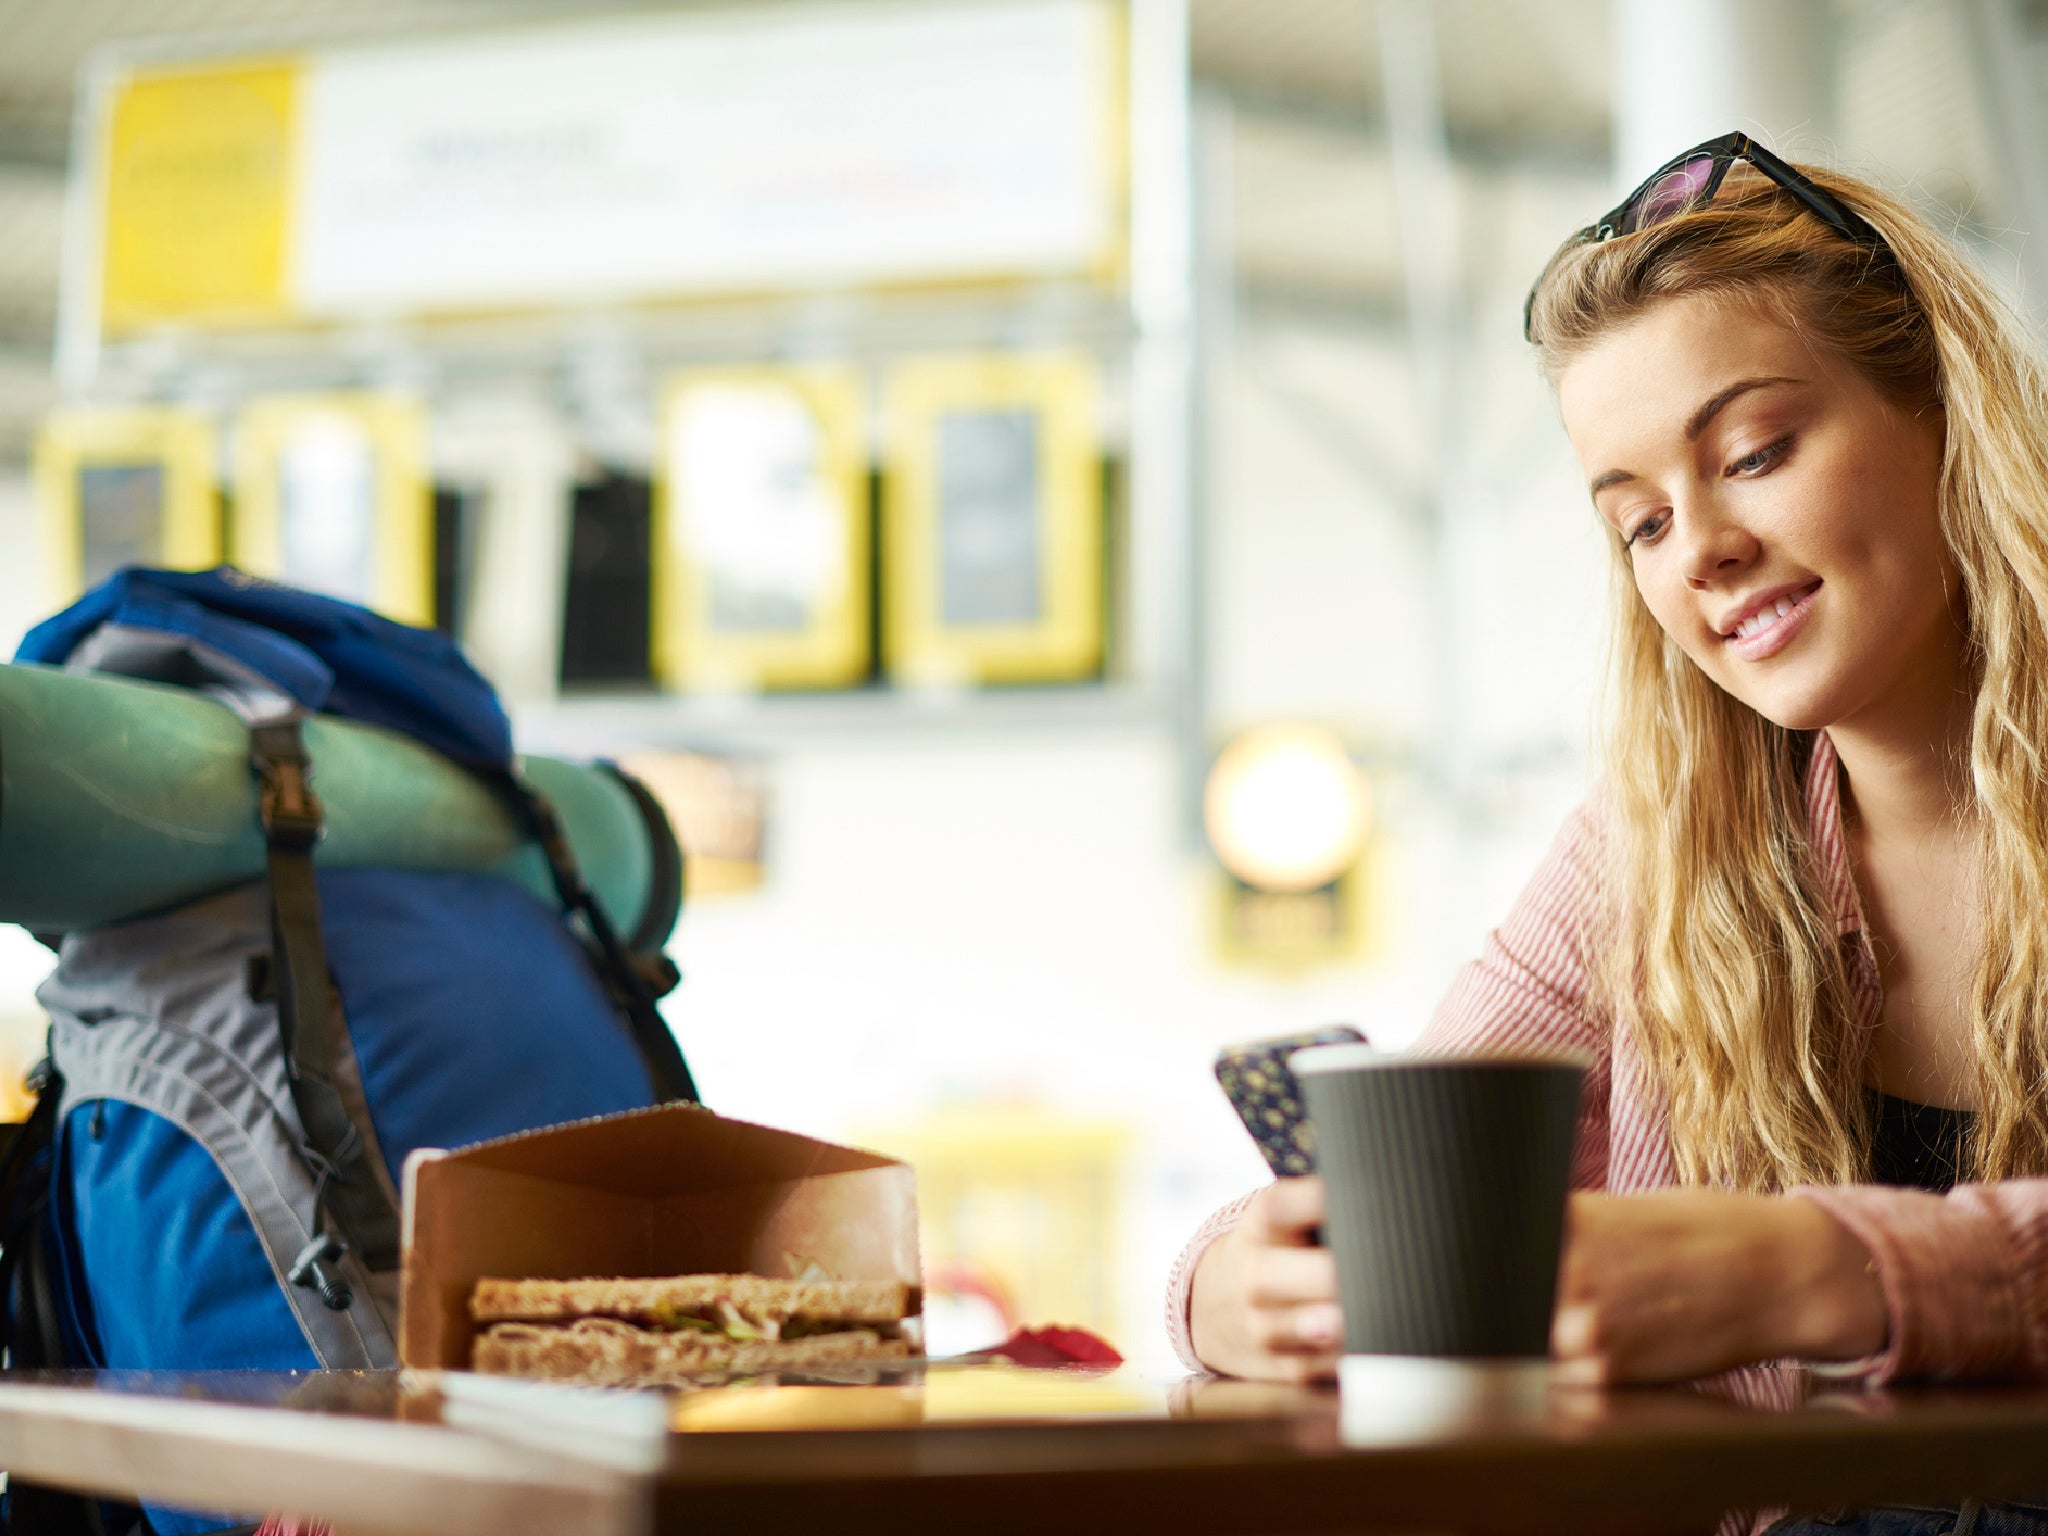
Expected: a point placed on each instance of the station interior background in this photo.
(987, 930)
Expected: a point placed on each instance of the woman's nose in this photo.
(1716, 546)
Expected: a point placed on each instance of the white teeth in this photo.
(1765, 617)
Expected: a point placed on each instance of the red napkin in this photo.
(1055, 1345)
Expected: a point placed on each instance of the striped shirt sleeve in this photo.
(1526, 991)
(1965, 1275)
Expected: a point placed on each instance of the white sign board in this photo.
(810, 146)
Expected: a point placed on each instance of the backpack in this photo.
(210, 1179)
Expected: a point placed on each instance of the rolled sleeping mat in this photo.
(120, 798)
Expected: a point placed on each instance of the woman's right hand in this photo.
(1264, 1299)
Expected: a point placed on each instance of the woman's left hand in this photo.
(1680, 1283)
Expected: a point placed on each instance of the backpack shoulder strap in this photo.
(352, 1206)
(622, 977)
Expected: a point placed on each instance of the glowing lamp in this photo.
(1286, 808)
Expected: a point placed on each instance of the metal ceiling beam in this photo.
(1368, 310)
(35, 135)
(1346, 118)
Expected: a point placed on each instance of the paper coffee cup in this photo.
(1446, 1181)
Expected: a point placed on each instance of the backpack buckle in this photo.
(313, 1270)
(291, 812)
(658, 971)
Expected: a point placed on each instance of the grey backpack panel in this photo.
(158, 1013)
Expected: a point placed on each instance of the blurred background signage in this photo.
(718, 805)
(1020, 1213)
(331, 493)
(993, 520)
(637, 158)
(196, 194)
(122, 487)
(763, 537)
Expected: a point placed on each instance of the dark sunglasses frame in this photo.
(1645, 208)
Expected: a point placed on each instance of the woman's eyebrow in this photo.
(1697, 422)
(1712, 407)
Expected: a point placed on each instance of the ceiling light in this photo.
(1286, 808)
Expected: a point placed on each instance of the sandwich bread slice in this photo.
(672, 1329)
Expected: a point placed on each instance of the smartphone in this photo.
(1256, 1079)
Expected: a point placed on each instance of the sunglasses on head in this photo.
(1690, 180)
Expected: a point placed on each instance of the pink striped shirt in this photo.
(1965, 1275)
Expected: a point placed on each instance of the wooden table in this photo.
(994, 1450)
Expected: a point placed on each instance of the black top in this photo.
(1915, 1144)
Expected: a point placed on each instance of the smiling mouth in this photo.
(1764, 618)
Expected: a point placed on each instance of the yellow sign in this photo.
(1024, 1198)
(197, 196)
(993, 520)
(331, 493)
(124, 487)
(718, 807)
(761, 545)
(1349, 921)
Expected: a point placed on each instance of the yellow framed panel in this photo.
(124, 487)
(331, 493)
(1355, 920)
(762, 537)
(1294, 930)
(993, 520)
(719, 808)
(196, 193)
(1024, 1197)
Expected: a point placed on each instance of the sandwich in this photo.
(670, 1330)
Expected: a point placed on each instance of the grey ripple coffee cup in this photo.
(1446, 1181)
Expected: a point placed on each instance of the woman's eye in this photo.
(1648, 531)
(1756, 463)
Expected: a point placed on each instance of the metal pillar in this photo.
(1425, 194)
(1425, 204)
(2005, 62)
(1174, 252)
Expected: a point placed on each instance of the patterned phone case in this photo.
(1256, 1080)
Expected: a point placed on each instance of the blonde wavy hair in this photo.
(1722, 950)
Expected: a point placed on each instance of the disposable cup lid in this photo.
(1339, 1058)
(1351, 1057)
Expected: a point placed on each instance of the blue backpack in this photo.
(211, 1177)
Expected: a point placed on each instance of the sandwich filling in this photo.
(669, 1330)
(725, 1320)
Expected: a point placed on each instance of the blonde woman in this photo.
(1802, 927)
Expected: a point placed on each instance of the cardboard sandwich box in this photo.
(665, 1191)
